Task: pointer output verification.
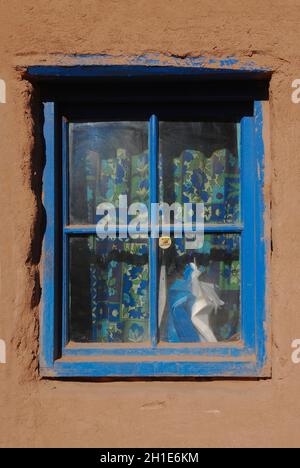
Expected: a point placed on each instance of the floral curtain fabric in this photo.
(119, 288)
(214, 181)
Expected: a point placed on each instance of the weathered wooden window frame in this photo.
(247, 358)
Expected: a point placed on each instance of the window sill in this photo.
(151, 366)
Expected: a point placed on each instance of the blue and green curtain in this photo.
(214, 181)
(119, 273)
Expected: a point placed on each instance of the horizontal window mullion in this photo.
(230, 228)
(113, 230)
(70, 230)
(125, 231)
(208, 228)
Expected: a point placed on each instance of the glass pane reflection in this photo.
(199, 291)
(108, 290)
(199, 162)
(106, 159)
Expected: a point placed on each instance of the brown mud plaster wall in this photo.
(35, 412)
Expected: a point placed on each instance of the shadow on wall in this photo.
(26, 336)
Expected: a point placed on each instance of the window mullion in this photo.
(153, 254)
(248, 180)
(65, 239)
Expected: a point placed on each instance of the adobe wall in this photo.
(35, 412)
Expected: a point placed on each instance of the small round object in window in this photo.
(165, 242)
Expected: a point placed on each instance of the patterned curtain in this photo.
(213, 180)
(119, 289)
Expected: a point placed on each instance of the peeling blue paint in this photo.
(81, 65)
(246, 359)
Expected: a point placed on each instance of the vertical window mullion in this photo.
(65, 240)
(153, 254)
(247, 237)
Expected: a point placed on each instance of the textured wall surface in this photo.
(35, 412)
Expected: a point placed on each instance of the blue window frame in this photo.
(62, 357)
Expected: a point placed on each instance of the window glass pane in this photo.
(199, 290)
(108, 290)
(199, 162)
(106, 159)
